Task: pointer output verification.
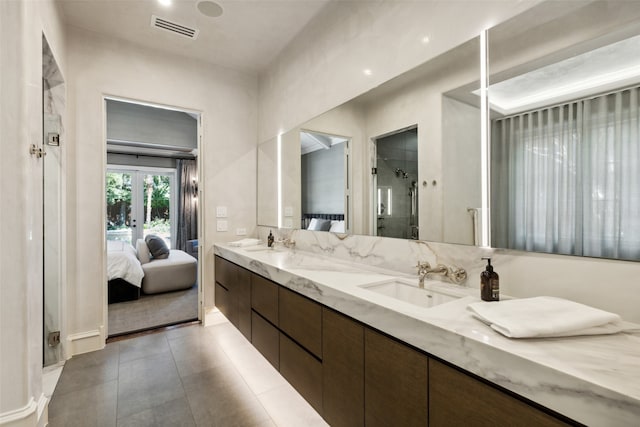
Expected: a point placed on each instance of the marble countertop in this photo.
(594, 380)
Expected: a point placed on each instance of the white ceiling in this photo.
(248, 36)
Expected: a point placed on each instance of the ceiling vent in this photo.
(181, 30)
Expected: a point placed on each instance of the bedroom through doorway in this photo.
(151, 195)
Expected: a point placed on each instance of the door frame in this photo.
(201, 208)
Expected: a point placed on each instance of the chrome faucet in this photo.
(454, 274)
(287, 243)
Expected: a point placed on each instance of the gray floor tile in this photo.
(220, 397)
(92, 406)
(182, 377)
(175, 413)
(147, 382)
(144, 346)
(192, 359)
(79, 376)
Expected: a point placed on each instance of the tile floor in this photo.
(190, 376)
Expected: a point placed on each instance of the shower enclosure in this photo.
(396, 184)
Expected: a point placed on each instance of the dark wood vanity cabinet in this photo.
(457, 399)
(354, 375)
(233, 294)
(342, 370)
(396, 383)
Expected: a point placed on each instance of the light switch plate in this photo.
(221, 225)
(288, 211)
(221, 211)
(241, 231)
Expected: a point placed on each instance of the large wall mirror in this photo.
(402, 160)
(565, 130)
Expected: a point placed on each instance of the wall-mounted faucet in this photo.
(287, 243)
(454, 274)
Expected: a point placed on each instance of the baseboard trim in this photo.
(29, 415)
(85, 342)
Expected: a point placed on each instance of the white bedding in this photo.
(122, 263)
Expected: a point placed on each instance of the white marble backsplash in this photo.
(610, 285)
(394, 254)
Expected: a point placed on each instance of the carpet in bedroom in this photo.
(150, 311)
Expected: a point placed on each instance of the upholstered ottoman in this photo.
(178, 271)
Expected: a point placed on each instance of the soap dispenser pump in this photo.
(270, 239)
(489, 283)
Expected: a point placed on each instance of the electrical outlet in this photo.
(221, 225)
(221, 212)
(241, 231)
(288, 223)
(288, 211)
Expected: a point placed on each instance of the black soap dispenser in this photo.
(489, 283)
(270, 239)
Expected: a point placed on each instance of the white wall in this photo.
(101, 66)
(22, 24)
(323, 67)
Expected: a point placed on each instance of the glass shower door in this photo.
(397, 185)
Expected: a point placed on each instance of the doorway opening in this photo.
(325, 182)
(151, 195)
(396, 184)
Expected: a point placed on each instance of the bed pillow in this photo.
(142, 250)
(317, 224)
(157, 246)
(337, 227)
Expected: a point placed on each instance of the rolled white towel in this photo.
(545, 317)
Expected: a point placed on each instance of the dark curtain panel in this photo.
(187, 203)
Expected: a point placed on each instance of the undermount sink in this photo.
(263, 248)
(403, 290)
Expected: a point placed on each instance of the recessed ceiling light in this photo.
(367, 72)
(165, 2)
(210, 9)
(425, 39)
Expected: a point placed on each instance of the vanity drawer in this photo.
(225, 272)
(264, 298)
(396, 388)
(458, 399)
(301, 319)
(302, 370)
(223, 301)
(266, 338)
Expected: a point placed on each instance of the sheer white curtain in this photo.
(566, 179)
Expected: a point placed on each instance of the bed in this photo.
(124, 272)
(323, 222)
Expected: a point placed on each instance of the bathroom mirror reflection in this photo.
(424, 124)
(565, 113)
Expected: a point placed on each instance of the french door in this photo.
(140, 201)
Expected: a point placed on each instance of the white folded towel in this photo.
(545, 317)
(245, 242)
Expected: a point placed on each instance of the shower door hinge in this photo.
(374, 171)
(53, 338)
(36, 151)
